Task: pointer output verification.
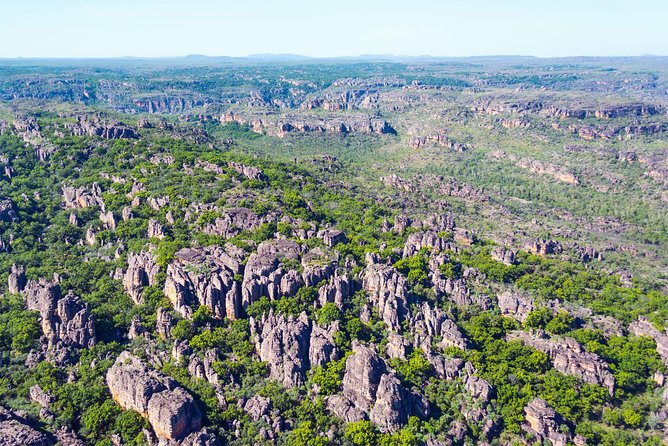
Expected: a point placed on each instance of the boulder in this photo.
(171, 410)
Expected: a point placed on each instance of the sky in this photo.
(162, 28)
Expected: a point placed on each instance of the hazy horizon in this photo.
(440, 29)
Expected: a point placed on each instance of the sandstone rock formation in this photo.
(15, 432)
(141, 272)
(371, 389)
(250, 172)
(7, 211)
(643, 327)
(546, 425)
(291, 346)
(66, 320)
(81, 198)
(568, 357)
(94, 126)
(205, 276)
(428, 323)
(388, 292)
(515, 305)
(16, 281)
(172, 412)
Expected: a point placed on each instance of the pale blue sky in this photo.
(107, 28)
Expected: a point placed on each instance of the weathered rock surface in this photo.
(546, 425)
(428, 323)
(66, 320)
(282, 125)
(81, 198)
(263, 275)
(233, 221)
(643, 327)
(503, 255)
(141, 272)
(7, 211)
(16, 281)
(388, 292)
(370, 388)
(204, 276)
(172, 412)
(291, 346)
(250, 172)
(15, 432)
(94, 126)
(568, 357)
(515, 305)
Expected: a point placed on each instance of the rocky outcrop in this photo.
(233, 221)
(155, 229)
(94, 126)
(171, 410)
(283, 125)
(164, 323)
(388, 292)
(569, 358)
(16, 281)
(264, 276)
(7, 211)
(81, 198)
(643, 327)
(205, 276)
(250, 172)
(503, 255)
(438, 139)
(546, 425)
(14, 431)
(291, 346)
(419, 240)
(371, 389)
(141, 272)
(336, 290)
(542, 247)
(457, 291)
(429, 323)
(331, 237)
(515, 305)
(66, 320)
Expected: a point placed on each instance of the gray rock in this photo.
(7, 212)
(515, 305)
(204, 276)
(171, 411)
(428, 323)
(388, 292)
(82, 198)
(283, 343)
(16, 281)
(141, 272)
(322, 348)
(568, 357)
(15, 432)
(66, 320)
(258, 407)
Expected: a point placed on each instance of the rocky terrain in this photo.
(367, 253)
